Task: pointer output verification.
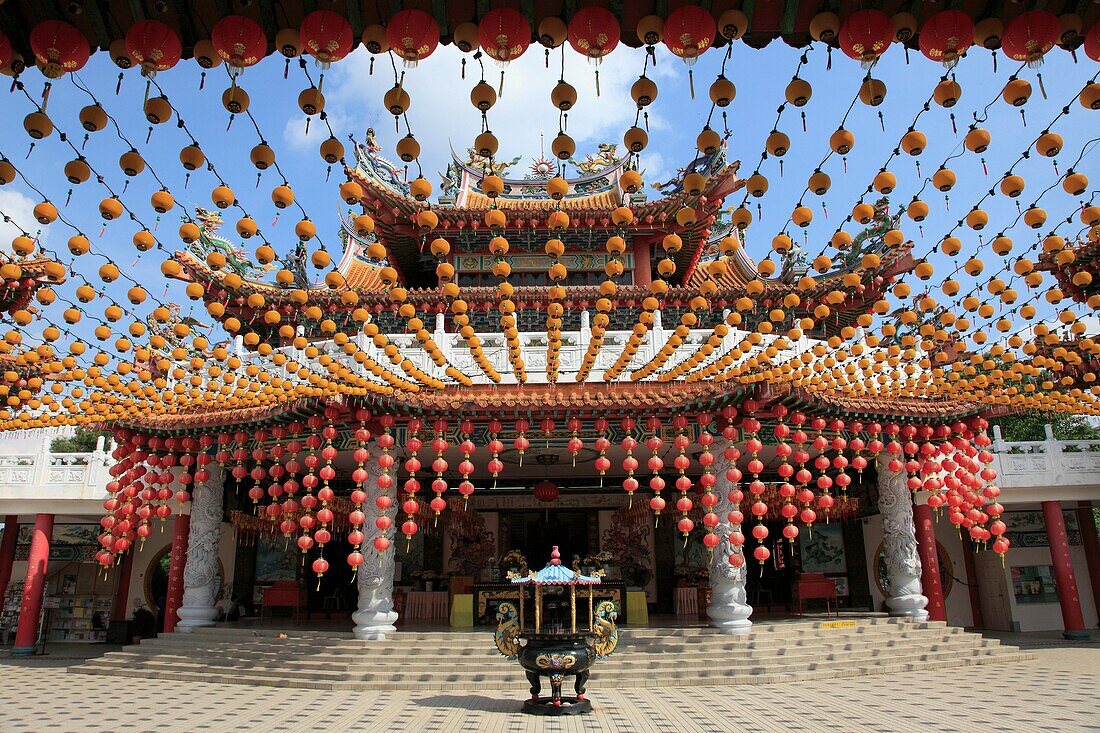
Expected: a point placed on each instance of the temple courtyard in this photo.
(1056, 691)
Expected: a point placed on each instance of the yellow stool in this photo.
(462, 610)
(636, 609)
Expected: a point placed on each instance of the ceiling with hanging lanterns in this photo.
(899, 221)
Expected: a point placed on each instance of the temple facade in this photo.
(610, 394)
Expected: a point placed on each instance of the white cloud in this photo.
(20, 209)
(523, 118)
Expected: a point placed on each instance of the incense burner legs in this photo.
(555, 657)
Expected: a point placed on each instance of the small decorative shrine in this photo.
(556, 649)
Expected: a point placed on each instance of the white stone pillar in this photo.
(200, 574)
(375, 616)
(729, 610)
(900, 544)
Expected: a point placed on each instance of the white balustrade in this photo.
(1046, 470)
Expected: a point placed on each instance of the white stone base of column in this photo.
(373, 625)
(728, 611)
(193, 617)
(910, 606)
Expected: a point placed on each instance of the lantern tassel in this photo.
(118, 86)
(1042, 87)
(881, 121)
(985, 169)
(464, 67)
(84, 144)
(906, 55)
(370, 72)
(954, 129)
(829, 62)
(1023, 117)
(286, 69)
(803, 120)
(548, 58)
(994, 55)
(780, 167)
(691, 83)
(598, 83)
(148, 84)
(46, 94)
(149, 134)
(500, 89)
(69, 197)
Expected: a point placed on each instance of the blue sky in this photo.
(441, 115)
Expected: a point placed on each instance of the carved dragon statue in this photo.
(607, 633)
(506, 637)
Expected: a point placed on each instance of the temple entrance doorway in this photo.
(534, 533)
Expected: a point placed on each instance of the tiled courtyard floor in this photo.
(1057, 692)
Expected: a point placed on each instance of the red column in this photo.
(27, 634)
(972, 582)
(1072, 619)
(643, 275)
(1087, 521)
(7, 552)
(174, 600)
(929, 562)
(122, 593)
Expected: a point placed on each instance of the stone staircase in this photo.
(463, 660)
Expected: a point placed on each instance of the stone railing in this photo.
(1035, 470)
(43, 474)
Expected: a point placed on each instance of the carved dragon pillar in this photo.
(375, 616)
(899, 539)
(729, 610)
(200, 575)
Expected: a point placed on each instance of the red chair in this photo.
(815, 585)
(284, 594)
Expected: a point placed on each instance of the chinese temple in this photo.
(554, 353)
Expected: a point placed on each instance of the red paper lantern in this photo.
(59, 48)
(594, 32)
(546, 492)
(865, 35)
(1030, 35)
(153, 45)
(689, 31)
(413, 35)
(6, 54)
(946, 35)
(240, 41)
(504, 34)
(327, 36)
(1092, 43)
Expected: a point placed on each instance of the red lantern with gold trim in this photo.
(504, 34)
(326, 35)
(1030, 35)
(240, 41)
(413, 35)
(689, 31)
(594, 32)
(865, 35)
(946, 35)
(153, 45)
(59, 48)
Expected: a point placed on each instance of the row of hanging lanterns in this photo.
(504, 34)
(293, 473)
